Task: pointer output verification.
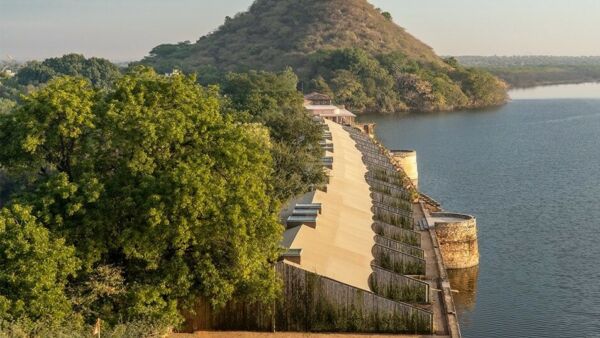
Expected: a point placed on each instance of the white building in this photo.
(320, 105)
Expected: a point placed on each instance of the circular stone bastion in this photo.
(457, 236)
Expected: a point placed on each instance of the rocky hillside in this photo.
(345, 47)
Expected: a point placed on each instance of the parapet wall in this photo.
(457, 235)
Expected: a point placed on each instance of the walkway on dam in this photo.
(340, 246)
(440, 326)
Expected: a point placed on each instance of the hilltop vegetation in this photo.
(530, 71)
(345, 47)
(273, 34)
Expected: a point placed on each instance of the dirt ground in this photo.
(205, 334)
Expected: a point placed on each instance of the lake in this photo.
(530, 173)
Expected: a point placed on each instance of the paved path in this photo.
(440, 326)
(340, 247)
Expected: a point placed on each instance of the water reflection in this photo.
(465, 282)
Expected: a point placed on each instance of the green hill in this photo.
(345, 47)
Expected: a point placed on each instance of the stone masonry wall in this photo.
(458, 243)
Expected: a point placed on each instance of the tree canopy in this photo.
(100, 72)
(273, 100)
(155, 186)
(36, 266)
(6, 105)
(392, 82)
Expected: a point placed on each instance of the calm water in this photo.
(530, 173)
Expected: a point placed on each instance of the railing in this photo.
(430, 200)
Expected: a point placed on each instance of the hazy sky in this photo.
(128, 29)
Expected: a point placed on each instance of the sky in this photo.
(125, 30)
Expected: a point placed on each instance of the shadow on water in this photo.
(465, 282)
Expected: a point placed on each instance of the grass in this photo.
(392, 201)
(390, 177)
(398, 234)
(394, 192)
(402, 247)
(395, 290)
(399, 263)
(384, 216)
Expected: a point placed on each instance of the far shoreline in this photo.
(551, 83)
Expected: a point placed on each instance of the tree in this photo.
(482, 87)
(6, 106)
(319, 85)
(35, 268)
(46, 131)
(100, 72)
(273, 100)
(349, 90)
(193, 187)
(34, 73)
(151, 179)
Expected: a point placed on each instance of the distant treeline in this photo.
(530, 71)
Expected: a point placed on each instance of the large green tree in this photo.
(152, 180)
